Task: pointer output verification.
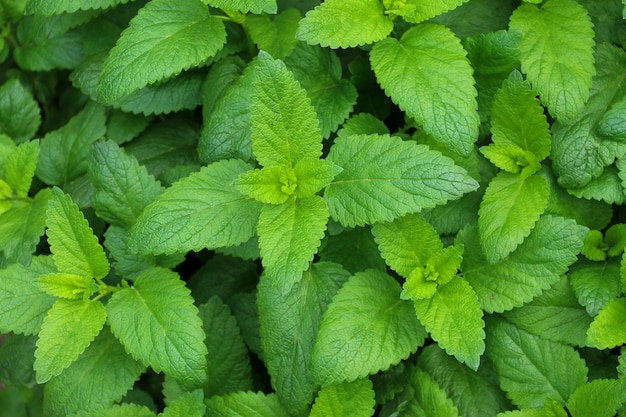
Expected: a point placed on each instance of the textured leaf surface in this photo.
(70, 286)
(249, 404)
(201, 210)
(19, 113)
(348, 399)
(149, 50)
(345, 23)
(550, 370)
(278, 36)
(416, 11)
(562, 79)
(245, 6)
(384, 178)
(75, 249)
(598, 398)
(367, 328)
(121, 410)
(428, 398)
(124, 188)
(19, 167)
(453, 318)
(536, 264)
(54, 7)
(289, 236)
(608, 328)
(509, 210)
(427, 74)
(67, 330)
(164, 331)
(189, 404)
(595, 284)
(285, 127)
(289, 324)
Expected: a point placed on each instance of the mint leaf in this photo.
(508, 212)
(536, 264)
(189, 404)
(562, 80)
(366, 326)
(416, 11)
(607, 187)
(24, 304)
(607, 329)
(289, 324)
(285, 127)
(70, 286)
(165, 331)
(75, 249)
(249, 404)
(146, 52)
(384, 178)
(289, 236)
(201, 210)
(595, 284)
(19, 112)
(511, 158)
(100, 376)
(363, 124)
(277, 36)
(271, 185)
(67, 330)
(19, 168)
(245, 6)
(612, 122)
(121, 410)
(550, 370)
(427, 397)
(345, 24)
(124, 188)
(54, 7)
(123, 127)
(453, 317)
(427, 74)
(348, 399)
(598, 398)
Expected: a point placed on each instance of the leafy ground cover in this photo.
(352, 208)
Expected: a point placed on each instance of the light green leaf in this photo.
(348, 399)
(550, 370)
(289, 324)
(512, 159)
(75, 249)
(271, 185)
(607, 187)
(594, 247)
(416, 11)
(615, 238)
(248, 404)
(427, 398)
(278, 36)
(19, 113)
(536, 264)
(67, 330)
(453, 317)
(245, 6)
(124, 188)
(149, 49)
(508, 212)
(366, 329)
(19, 167)
(598, 398)
(285, 127)
(228, 367)
(164, 331)
(345, 24)
(562, 79)
(120, 410)
(70, 286)
(595, 284)
(289, 236)
(189, 404)
(363, 124)
(612, 122)
(24, 305)
(64, 152)
(427, 74)
(100, 376)
(201, 210)
(384, 178)
(54, 7)
(608, 328)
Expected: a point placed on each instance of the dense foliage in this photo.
(349, 208)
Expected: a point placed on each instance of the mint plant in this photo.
(312, 208)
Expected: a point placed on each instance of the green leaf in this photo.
(249, 404)
(164, 331)
(148, 51)
(75, 249)
(354, 249)
(595, 284)
(532, 369)
(271, 185)
(562, 79)
(348, 399)
(453, 318)
(384, 178)
(100, 376)
(124, 188)
(189, 404)
(289, 324)
(594, 247)
(65, 151)
(366, 329)
(285, 127)
(598, 398)
(512, 159)
(427, 398)
(200, 211)
(607, 187)
(363, 124)
(615, 238)
(70, 286)
(416, 11)
(123, 127)
(20, 166)
(313, 175)
(427, 74)
(289, 236)
(345, 24)
(508, 212)
(228, 367)
(277, 36)
(536, 264)
(24, 305)
(67, 330)
(608, 328)
(17, 355)
(54, 7)
(121, 410)
(245, 6)
(612, 122)
(19, 113)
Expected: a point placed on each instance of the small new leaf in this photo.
(511, 158)
(70, 286)
(594, 247)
